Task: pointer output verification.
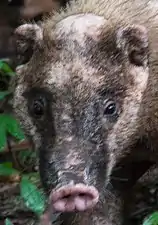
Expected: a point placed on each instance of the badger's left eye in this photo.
(38, 107)
(110, 108)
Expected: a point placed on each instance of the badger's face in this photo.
(79, 96)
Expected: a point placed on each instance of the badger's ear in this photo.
(133, 42)
(25, 38)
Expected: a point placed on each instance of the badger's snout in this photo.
(73, 198)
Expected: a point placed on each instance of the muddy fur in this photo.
(77, 70)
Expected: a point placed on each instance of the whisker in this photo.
(119, 178)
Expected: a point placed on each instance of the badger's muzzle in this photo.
(73, 198)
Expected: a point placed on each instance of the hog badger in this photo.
(87, 96)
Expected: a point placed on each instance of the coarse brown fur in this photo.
(77, 68)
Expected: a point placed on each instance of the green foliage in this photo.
(3, 94)
(8, 124)
(33, 198)
(152, 219)
(6, 170)
(28, 156)
(13, 127)
(33, 177)
(5, 69)
(8, 222)
(5, 73)
(3, 138)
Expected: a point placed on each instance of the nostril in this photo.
(67, 196)
(72, 198)
(81, 195)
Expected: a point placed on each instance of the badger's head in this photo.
(79, 99)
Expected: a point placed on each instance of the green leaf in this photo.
(9, 124)
(3, 138)
(33, 177)
(8, 164)
(13, 127)
(33, 198)
(8, 222)
(6, 170)
(6, 68)
(152, 219)
(3, 94)
(28, 156)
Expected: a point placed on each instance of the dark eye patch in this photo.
(37, 91)
(38, 107)
(39, 102)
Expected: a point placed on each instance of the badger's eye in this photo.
(110, 108)
(38, 108)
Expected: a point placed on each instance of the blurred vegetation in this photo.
(20, 189)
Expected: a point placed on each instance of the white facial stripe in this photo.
(77, 26)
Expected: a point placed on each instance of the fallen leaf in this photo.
(152, 219)
(8, 222)
(8, 124)
(6, 170)
(33, 198)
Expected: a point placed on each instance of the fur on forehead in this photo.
(80, 25)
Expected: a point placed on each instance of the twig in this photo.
(8, 187)
(23, 145)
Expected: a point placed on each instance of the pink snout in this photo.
(78, 197)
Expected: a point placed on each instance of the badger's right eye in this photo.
(38, 108)
(110, 108)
